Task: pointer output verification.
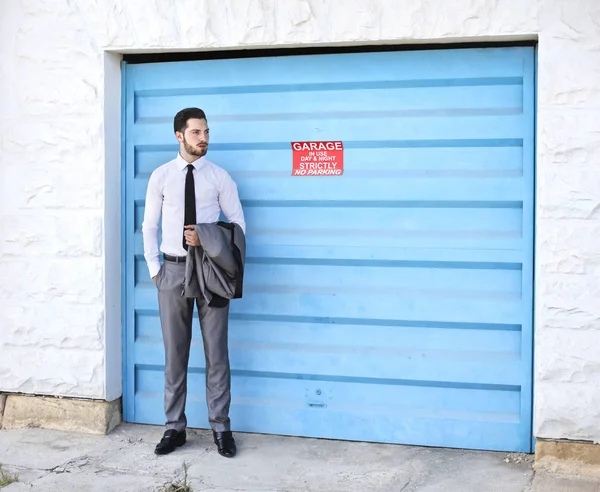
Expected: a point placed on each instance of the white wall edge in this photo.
(113, 367)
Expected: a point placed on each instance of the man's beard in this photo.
(195, 151)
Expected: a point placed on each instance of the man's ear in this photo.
(179, 136)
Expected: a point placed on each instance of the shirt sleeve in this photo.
(229, 201)
(152, 211)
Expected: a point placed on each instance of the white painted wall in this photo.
(59, 124)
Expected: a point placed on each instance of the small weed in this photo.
(181, 485)
(6, 479)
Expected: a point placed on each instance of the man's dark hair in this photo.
(181, 118)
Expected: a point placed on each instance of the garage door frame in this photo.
(529, 154)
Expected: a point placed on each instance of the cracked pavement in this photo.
(49, 461)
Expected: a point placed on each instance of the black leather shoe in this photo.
(225, 443)
(170, 441)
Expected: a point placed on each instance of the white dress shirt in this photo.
(215, 192)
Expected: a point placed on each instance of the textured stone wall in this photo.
(51, 201)
(52, 162)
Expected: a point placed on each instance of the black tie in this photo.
(190, 200)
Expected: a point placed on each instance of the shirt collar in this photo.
(182, 164)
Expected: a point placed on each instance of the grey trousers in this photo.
(176, 314)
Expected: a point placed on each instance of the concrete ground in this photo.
(49, 461)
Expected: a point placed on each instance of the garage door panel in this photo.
(443, 242)
(372, 249)
(294, 409)
(394, 217)
(284, 392)
(426, 191)
(473, 162)
(426, 367)
(365, 336)
(418, 101)
(495, 193)
(420, 365)
(349, 128)
(145, 297)
(420, 67)
(416, 366)
(356, 424)
(390, 304)
(404, 306)
(409, 189)
(400, 216)
(370, 277)
(375, 191)
(406, 256)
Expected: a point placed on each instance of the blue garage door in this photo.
(390, 304)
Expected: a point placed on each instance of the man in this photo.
(189, 190)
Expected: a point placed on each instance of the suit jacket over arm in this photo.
(215, 269)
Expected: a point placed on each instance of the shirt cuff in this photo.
(154, 268)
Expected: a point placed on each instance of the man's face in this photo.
(195, 137)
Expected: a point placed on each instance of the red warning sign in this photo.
(318, 158)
